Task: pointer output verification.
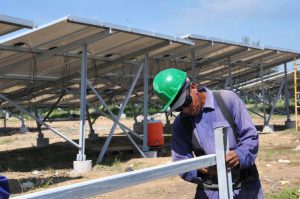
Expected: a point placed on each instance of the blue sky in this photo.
(272, 22)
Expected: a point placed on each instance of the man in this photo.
(4, 188)
(192, 133)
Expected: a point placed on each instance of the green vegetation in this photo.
(284, 194)
(280, 105)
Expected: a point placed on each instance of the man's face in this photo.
(195, 106)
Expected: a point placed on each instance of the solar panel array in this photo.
(38, 66)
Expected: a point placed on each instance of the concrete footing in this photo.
(82, 166)
(93, 137)
(290, 124)
(268, 129)
(23, 130)
(42, 142)
(151, 154)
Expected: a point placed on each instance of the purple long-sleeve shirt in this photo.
(209, 118)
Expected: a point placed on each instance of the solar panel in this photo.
(10, 24)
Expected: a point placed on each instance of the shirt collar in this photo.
(209, 101)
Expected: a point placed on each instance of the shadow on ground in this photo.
(38, 182)
(62, 154)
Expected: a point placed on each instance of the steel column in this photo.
(275, 100)
(22, 120)
(229, 74)
(194, 72)
(262, 90)
(88, 115)
(107, 141)
(81, 154)
(286, 94)
(146, 88)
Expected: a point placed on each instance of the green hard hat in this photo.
(167, 84)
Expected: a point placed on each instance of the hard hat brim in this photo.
(180, 98)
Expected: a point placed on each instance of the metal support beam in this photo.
(88, 117)
(229, 74)
(111, 183)
(194, 72)
(107, 141)
(224, 174)
(145, 122)
(286, 94)
(111, 116)
(81, 154)
(275, 100)
(50, 53)
(262, 91)
(38, 120)
(53, 106)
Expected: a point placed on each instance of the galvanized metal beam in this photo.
(145, 110)
(81, 153)
(107, 141)
(38, 120)
(50, 53)
(107, 184)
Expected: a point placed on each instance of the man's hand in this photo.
(232, 159)
(212, 170)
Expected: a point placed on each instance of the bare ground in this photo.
(51, 166)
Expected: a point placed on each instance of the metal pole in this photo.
(194, 73)
(4, 121)
(224, 174)
(286, 94)
(110, 183)
(145, 124)
(53, 106)
(296, 94)
(112, 116)
(22, 120)
(107, 141)
(37, 120)
(275, 100)
(88, 115)
(81, 156)
(262, 91)
(230, 74)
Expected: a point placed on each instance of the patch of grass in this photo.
(45, 183)
(114, 162)
(284, 194)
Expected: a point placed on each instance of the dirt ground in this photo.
(51, 166)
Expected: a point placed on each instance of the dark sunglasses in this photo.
(187, 102)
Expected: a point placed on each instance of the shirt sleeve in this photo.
(182, 149)
(247, 146)
(4, 188)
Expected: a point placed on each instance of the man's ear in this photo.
(193, 85)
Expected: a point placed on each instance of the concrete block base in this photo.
(82, 166)
(93, 137)
(290, 124)
(268, 129)
(23, 130)
(42, 142)
(151, 154)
